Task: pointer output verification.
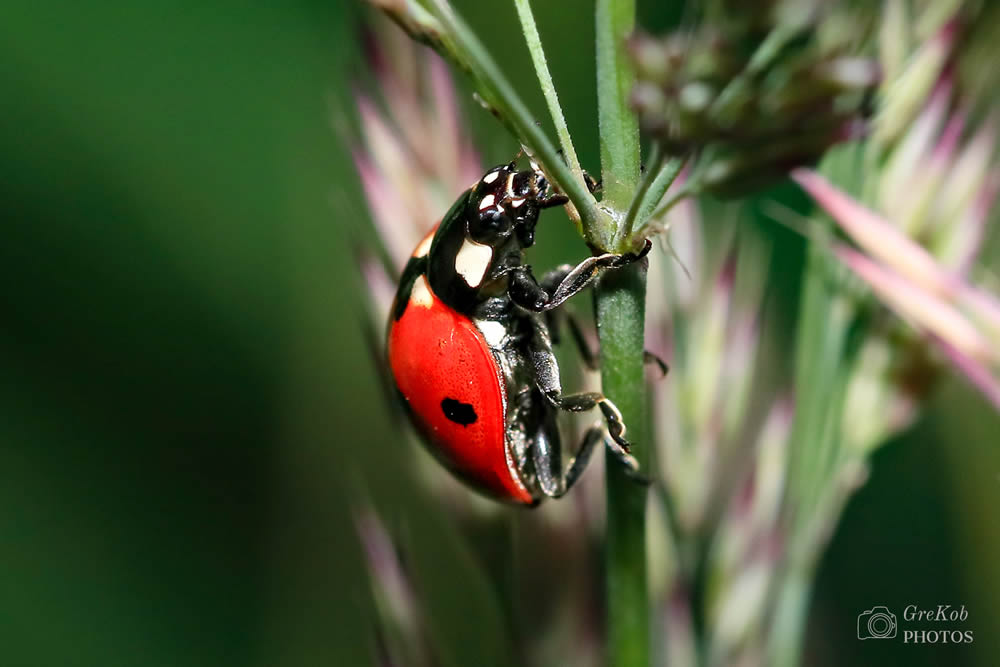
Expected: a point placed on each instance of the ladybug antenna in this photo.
(513, 163)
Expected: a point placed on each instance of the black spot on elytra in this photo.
(458, 412)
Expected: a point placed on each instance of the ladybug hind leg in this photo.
(546, 453)
(522, 432)
(533, 437)
(546, 457)
(578, 464)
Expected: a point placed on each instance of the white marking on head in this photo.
(420, 294)
(486, 202)
(472, 261)
(490, 177)
(494, 332)
(510, 185)
(516, 203)
(424, 247)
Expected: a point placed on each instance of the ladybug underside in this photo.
(470, 345)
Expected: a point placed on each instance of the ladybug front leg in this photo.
(525, 291)
(555, 318)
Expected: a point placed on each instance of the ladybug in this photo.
(470, 344)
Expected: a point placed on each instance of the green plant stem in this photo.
(534, 42)
(463, 47)
(619, 129)
(620, 300)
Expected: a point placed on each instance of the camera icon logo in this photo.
(877, 623)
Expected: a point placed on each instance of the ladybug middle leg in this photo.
(545, 369)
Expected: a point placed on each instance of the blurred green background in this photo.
(189, 412)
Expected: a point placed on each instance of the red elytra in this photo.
(440, 359)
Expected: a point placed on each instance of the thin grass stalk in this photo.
(794, 585)
(649, 177)
(823, 355)
(534, 42)
(664, 178)
(468, 51)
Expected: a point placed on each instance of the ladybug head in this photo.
(504, 206)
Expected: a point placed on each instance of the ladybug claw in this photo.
(653, 359)
(631, 468)
(629, 257)
(647, 245)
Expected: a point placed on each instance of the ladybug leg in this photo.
(553, 481)
(522, 428)
(554, 319)
(554, 199)
(525, 291)
(578, 463)
(592, 186)
(591, 437)
(546, 371)
(547, 459)
(591, 357)
(650, 358)
(559, 199)
(611, 430)
(533, 435)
